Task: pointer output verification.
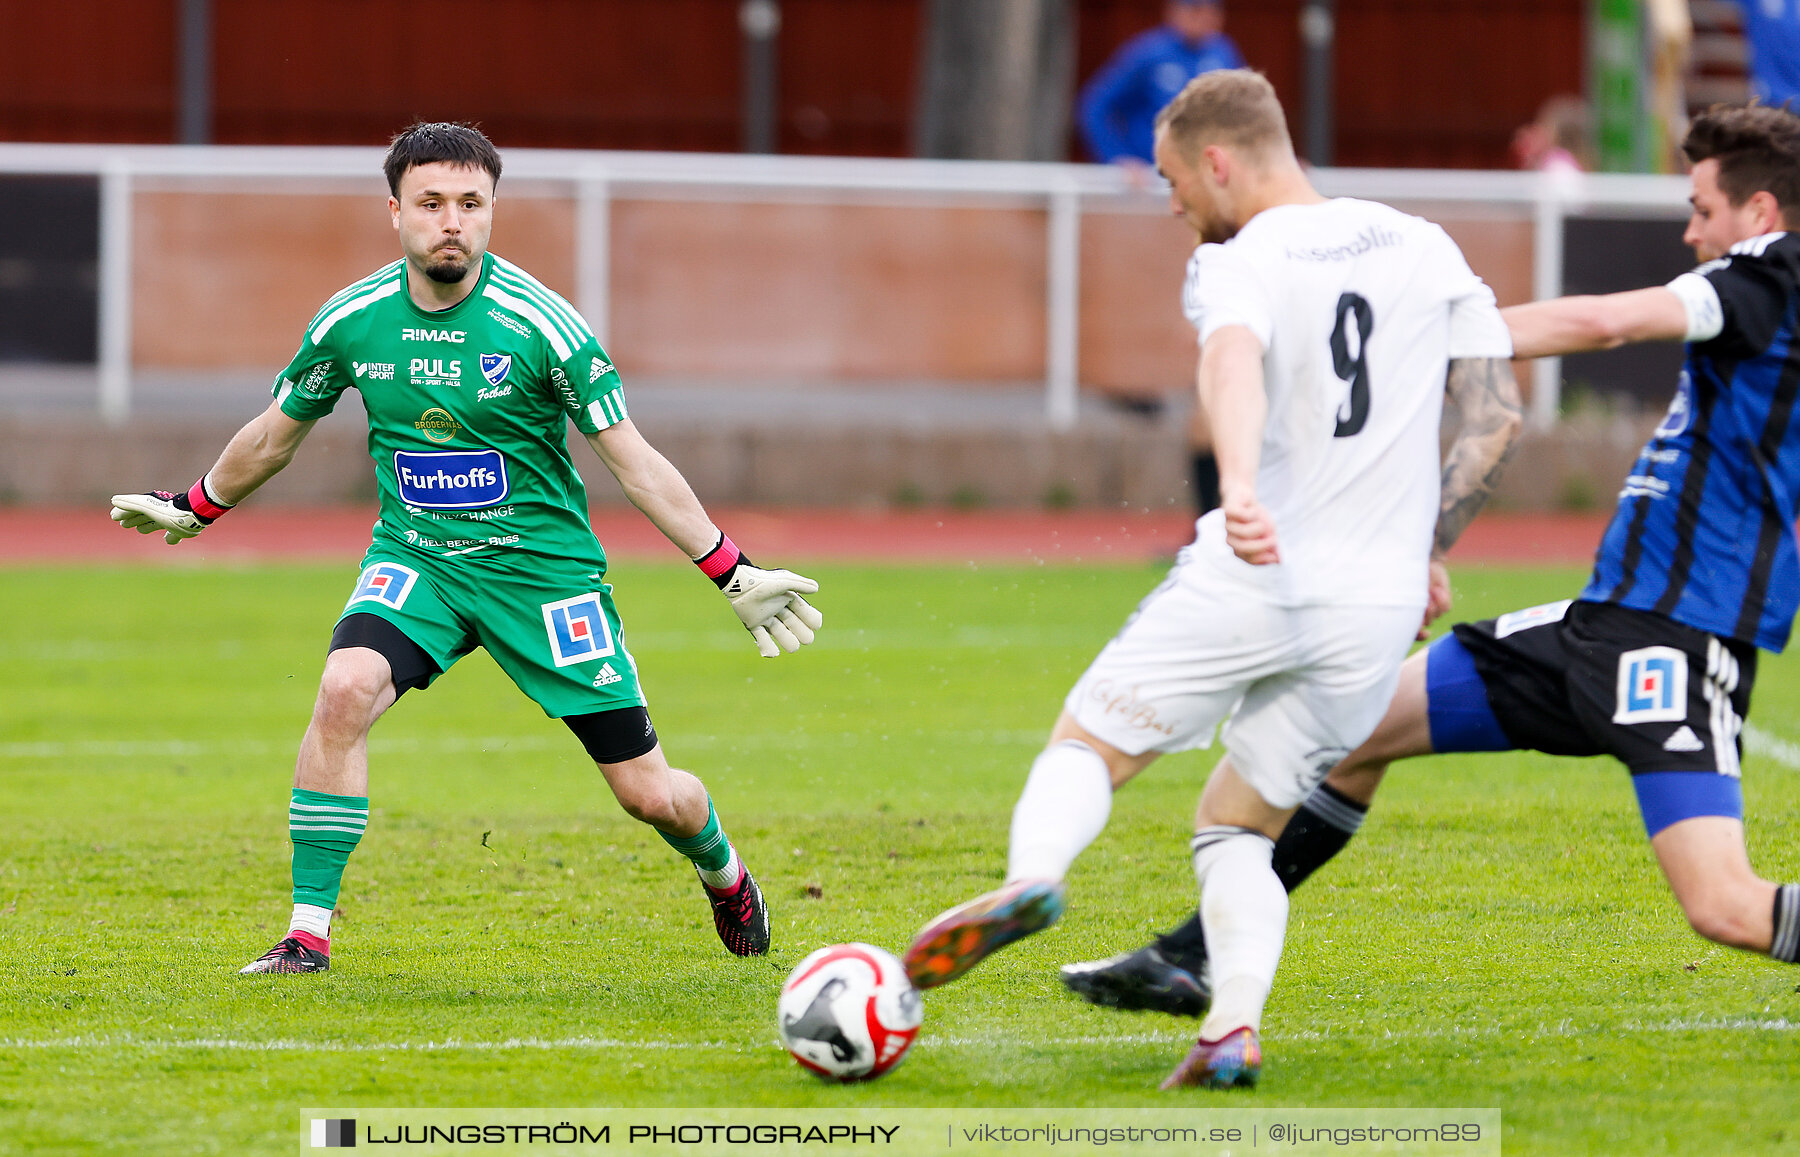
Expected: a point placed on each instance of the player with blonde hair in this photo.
(1330, 332)
(1653, 662)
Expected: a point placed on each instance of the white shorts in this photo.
(1303, 685)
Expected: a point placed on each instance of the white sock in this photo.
(312, 919)
(1062, 809)
(1244, 909)
(725, 877)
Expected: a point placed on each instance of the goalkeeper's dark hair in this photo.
(1757, 147)
(439, 142)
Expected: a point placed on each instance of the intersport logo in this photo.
(374, 371)
(456, 336)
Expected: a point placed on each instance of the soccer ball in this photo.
(848, 1012)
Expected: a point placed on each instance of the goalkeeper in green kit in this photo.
(469, 368)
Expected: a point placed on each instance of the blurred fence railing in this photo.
(595, 181)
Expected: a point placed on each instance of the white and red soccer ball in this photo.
(848, 1012)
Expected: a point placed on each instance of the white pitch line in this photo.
(577, 1044)
(226, 1044)
(548, 740)
(970, 637)
(1760, 742)
(1756, 741)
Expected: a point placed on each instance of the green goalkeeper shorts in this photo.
(551, 627)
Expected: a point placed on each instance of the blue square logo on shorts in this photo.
(1652, 686)
(578, 630)
(385, 582)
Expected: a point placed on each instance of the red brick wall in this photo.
(666, 74)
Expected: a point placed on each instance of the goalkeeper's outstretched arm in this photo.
(767, 602)
(254, 455)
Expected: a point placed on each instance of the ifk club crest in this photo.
(495, 367)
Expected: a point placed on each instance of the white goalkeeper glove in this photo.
(769, 605)
(178, 516)
(767, 602)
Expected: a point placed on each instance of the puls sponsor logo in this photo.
(428, 370)
(374, 371)
(456, 336)
(510, 322)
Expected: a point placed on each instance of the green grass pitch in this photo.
(1497, 936)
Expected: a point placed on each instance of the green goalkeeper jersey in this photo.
(467, 410)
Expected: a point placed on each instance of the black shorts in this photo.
(410, 665)
(1599, 680)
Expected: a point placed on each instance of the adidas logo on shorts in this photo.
(607, 676)
(1684, 740)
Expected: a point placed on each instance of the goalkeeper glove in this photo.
(767, 602)
(178, 516)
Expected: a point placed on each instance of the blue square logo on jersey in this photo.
(385, 582)
(1653, 685)
(495, 367)
(578, 630)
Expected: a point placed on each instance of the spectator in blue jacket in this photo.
(1773, 29)
(1118, 115)
(1119, 105)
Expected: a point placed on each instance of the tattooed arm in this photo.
(1482, 407)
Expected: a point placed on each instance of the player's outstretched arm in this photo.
(254, 455)
(1484, 414)
(767, 602)
(1573, 325)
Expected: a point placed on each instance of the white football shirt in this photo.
(1359, 308)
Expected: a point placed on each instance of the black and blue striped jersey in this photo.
(1704, 531)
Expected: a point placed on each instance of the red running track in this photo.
(771, 536)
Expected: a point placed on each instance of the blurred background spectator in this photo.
(1117, 112)
(1120, 103)
(1772, 28)
(1557, 141)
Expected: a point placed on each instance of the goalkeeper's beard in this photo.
(449, 268)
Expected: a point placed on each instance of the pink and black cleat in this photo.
(740, 917)
(299, 952)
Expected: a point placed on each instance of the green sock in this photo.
(708, 848)
(325, 830)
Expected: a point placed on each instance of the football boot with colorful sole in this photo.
(1232, 1061)
(961, 938)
